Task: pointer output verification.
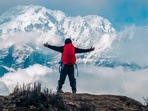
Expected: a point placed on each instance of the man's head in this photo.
(68, 40)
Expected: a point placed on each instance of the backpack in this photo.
(68, 55)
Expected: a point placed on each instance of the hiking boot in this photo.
(74, 92)
(60, 91)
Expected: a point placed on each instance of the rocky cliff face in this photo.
(35, 101)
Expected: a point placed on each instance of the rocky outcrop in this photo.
(104, 102)
(36, 101)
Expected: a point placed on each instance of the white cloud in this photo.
(28, 75)
(32, 38)
(3, 89)
(115, 81)
(131, 45)
(95, 80)
(18, 37)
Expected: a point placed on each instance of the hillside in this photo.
(78, 102)
(32, 99)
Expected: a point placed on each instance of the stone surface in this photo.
(70, 102)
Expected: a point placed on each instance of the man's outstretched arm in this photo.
(56, 48)
(78, 50)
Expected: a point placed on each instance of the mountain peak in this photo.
(55, 25)
(28, 18)
(36, 24)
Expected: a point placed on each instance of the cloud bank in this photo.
(94, 80)
(131, 45)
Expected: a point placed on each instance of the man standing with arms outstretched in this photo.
(68, 61)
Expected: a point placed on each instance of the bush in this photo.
(30, 95)
(30, 98)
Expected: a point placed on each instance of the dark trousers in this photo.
(67, 70)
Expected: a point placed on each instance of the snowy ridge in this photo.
(24, 29)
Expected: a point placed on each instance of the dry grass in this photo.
(32, 97)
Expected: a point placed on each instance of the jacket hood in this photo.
(68, 40)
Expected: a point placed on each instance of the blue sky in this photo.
(120, 13)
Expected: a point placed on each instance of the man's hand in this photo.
(46, 44)
(92, 48)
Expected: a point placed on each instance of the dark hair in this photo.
(68, 40)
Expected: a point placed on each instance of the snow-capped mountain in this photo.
(24, 29)
(29, 18)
